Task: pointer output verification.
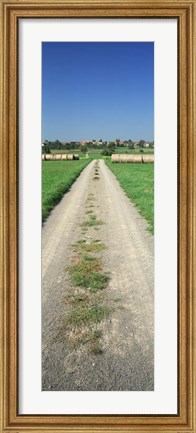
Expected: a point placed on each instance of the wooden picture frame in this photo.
(184, 11)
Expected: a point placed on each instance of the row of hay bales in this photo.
(59, 157)
(132, 158)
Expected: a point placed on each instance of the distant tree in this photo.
(84, 149)
(46, 149)
(111, 145)
(56, 145)
(108, 152)
(141, 143)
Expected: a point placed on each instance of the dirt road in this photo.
(126, 335)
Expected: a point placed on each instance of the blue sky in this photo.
(94, 90)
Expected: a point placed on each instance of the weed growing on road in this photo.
(99, 281)
(92, 338)
(88, 257)
(92, 221)
(89, 247)
(85, 313)
(96, 349)
(84, 316)
(86, 273)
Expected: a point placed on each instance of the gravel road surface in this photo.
(127, 334)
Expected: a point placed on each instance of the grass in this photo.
(82, 321)
(96, 349)
(89, 247)
(84, 316)
(137, 180)
(86, 273)
(85, 312)
(57, 177)
(88, 257)
(91, 337)
(92, 221)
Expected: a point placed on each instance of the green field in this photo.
(137, 180)
(57, 177)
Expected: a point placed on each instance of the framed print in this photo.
(98, 216)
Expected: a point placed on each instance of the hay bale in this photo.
(122, 158)
(57, 156)
(115, 157)
(64, 156)
(49, 157)
(43, 156)
(148, 158)
(70, 157)
(137, 158)
(76, 156)
(130, 158)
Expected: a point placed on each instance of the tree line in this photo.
(105, 145)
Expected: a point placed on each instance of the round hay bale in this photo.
(122, 158)
(57, 156)
(49, 156)
(148, 158)
(130, 158)
(64, 156)
(114, 157)
(76, 156)
(137, 158)
(70, 157)
(43, 156)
